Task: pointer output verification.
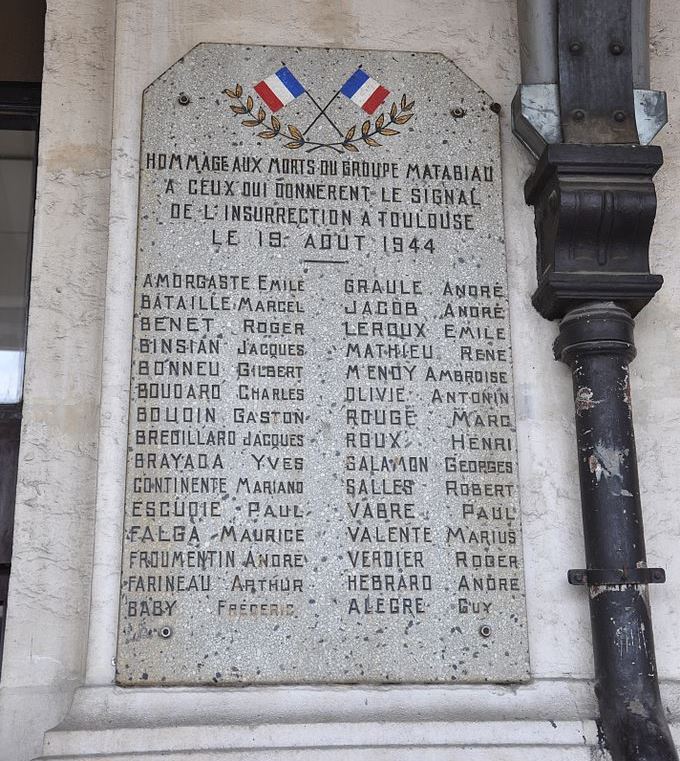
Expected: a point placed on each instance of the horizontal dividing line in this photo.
(325, 261)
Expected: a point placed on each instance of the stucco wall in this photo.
(50, 584)
(69, 504)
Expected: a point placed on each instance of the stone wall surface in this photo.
(63, 606)
(46, 636)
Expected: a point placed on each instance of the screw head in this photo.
(183, 99)
(619, 116)
(165, 632)
(578, 115)
(458, 112)
(657, 575)
(575, 47)
(485, 631)
(616, 48)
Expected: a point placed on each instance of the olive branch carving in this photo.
(398, 116)
(295, 139)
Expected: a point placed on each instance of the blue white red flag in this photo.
(364, 91)
(280, 89)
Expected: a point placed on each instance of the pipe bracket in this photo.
(601, 577)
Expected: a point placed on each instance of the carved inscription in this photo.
(322, 472)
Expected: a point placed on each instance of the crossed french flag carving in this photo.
(283, 87)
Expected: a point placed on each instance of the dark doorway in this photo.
(21, 62)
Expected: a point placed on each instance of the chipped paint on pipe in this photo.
(596, 341)
(610, 463)
(583, 399)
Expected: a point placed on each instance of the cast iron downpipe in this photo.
(584, 113)
(596, 341)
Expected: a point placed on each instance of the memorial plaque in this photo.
(322, 473)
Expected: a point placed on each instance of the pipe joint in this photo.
(598, 328)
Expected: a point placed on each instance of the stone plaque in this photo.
(322, 471)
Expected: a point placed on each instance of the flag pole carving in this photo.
(283, 87)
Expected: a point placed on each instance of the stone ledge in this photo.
(395, 753)
(298, 740)
(109, 707)
(303, 723)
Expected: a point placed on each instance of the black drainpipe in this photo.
(595, 203)
(596, 341)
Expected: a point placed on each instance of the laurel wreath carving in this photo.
(356, 136)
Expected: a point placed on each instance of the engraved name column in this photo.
(175, 469)
(266, 522)
(386, 474)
